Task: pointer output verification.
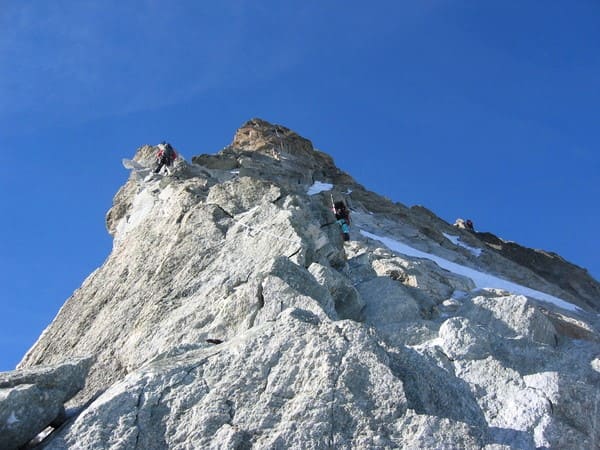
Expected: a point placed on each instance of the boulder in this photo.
(32, 399)
(460, 339)
(510, 316)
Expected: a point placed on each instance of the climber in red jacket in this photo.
(165, 156)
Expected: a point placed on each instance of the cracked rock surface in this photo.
(231, 314)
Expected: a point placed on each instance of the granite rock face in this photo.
(32, 399)
(231, 314)
(548, 265)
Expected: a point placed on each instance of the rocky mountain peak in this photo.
(259, 135)
(232, 314)
(273, 152)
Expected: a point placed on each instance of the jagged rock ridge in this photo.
(552, 267)
(324, 345)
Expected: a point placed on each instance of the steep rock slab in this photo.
(184, 268)
(30, 400)
(189, 263)
(298, 383)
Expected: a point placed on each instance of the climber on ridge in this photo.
(165, 157)
(342, 216)
(464, 224)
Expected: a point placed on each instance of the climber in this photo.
(165, 157)
(342, 216)
(464, 224)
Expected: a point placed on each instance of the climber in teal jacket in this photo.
(342, 217)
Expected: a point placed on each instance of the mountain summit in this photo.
(231, 314)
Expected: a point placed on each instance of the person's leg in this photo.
(346, 231)
(345, 227)
(169, 166)
(160, 164)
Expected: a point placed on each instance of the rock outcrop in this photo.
(33, 399)
(231, 314)
(550, 266)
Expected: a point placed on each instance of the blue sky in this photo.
(487, 110)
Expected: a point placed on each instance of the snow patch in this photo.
(482, 280)
(319, 187)
(456, 241)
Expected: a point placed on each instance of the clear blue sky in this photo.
(487, 110)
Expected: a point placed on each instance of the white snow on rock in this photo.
(481, 279)
(319, 187)
(456, 241)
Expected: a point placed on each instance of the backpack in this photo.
(341, 212)
(169, 153)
